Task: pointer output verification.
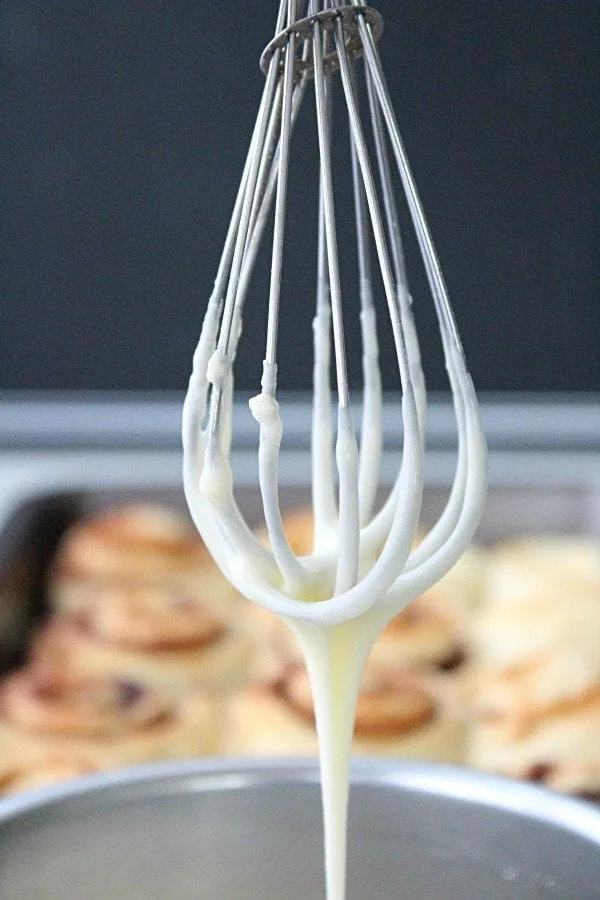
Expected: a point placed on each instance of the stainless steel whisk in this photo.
(364, 559)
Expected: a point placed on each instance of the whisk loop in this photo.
(364, 558)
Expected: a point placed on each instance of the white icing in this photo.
(217, 368)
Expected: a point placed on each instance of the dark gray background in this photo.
(124, 127)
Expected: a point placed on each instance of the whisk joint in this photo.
(303, 30)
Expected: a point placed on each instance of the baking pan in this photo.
(530, 492)
(235, 829)
(130, 419)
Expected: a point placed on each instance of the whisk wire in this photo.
(385, 177)
(429, 255)
(322, 486)
(370, 433)
(346, 446)
(280, 200)
(411, 473)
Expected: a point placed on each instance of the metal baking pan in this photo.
(236, 829)
(530, 492)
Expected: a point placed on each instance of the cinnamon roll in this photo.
(536, 683)
(109, 721)
(276, 643)
(164, 634)
(418, 636)
(397, 715)
(138, 542)
(560, 747)
(432, 631)
(544, 651)
(536, 639)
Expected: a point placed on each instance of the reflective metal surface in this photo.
(235, 829)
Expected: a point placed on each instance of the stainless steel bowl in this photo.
(235, 829)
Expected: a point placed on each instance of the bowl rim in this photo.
(234, 773)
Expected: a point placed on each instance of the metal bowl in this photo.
(232, 829)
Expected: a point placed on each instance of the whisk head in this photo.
(364, 555)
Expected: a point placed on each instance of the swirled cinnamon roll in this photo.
(542, 651)
(165, 634)
(536, 644)
(535, 640)
(138, 542)
(109, 721)
(559, 747)
(397, 715)
(432, 631)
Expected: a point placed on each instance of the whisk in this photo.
(348, 533)
(365, 566)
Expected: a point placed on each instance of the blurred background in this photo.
(124, 127)
(124, 130)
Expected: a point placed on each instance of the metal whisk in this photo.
(363, 558)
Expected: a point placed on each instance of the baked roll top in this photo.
(138, 540)
(536, 640)
(397, 714)
(105, 719)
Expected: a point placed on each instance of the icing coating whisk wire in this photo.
(365, 558)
